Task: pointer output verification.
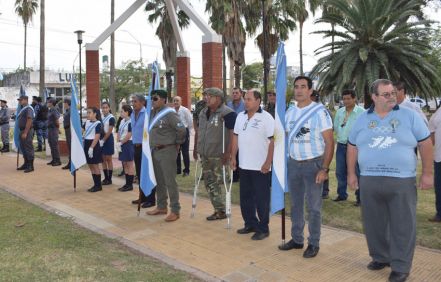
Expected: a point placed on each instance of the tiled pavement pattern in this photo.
(207, 249)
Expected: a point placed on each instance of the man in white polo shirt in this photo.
(253, 136)
(435, 134)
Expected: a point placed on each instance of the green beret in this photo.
(160, 92)
(214, 91)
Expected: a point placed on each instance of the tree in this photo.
(376, 43)
(302, 14)
(165, 33)
(26, 10)
(132, 77)
(252, 75)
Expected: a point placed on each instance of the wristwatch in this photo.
(325, 169)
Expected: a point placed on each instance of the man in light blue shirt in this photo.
(382, 140)
(137, 123)
(236, 104)
(343, 122)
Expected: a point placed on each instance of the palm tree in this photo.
(226, 19)
(26, 10)
(165, 33)
(302, 15)
(374, 42)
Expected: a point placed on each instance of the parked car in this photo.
(420, 102)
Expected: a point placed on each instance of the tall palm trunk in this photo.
(42, 43)
(237, 74)
(25, 37)
(301, 46)
(113, 105)
(231, 76)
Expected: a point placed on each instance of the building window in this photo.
(59, 92)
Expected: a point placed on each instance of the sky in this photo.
(93, 16)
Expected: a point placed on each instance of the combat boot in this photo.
(24, 166)
(39, 149)
(5, 149)
(97, 180)
(30, 167)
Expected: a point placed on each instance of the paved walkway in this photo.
(204, 248)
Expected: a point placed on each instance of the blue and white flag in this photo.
(16, 143)
(77, 156)
(279, 181)
(45, 94)
(148, 179)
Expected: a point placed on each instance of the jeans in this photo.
(301, 179)
(40, 131)
(437, 183)
(341, 171)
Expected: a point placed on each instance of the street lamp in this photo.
(140, 45)
(80, 41)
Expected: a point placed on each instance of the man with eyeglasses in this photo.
(137, 122)
(343, 122)
(403, 102)
(382, 140)
(310, 148)
(186, 118)
(216, 123)
(253, 135)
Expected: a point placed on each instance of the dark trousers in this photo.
(255, 196)
(185, 150)
(40, 131)
(26, 147)
(137, 158)
(341, 171)
(53, 143)
(68, 140)
(437, 182)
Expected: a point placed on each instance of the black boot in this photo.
(39, 149)
(129, 184)
(30, 167)
(24, 166)
(97, 180)
(106, 180)
(56, 162)
(5, 148)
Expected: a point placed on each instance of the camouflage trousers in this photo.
(214, 183)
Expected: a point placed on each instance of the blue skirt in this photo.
(109, 146)
(128, 152)
(97, 155)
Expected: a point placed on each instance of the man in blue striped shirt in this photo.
(311, 148)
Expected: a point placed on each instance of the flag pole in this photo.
(18, 155)
(283, 226)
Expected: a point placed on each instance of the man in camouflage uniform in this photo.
(4, 125)
(208, 144)
(197, 110)
(166, 136)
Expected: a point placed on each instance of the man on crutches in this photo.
(213, 152)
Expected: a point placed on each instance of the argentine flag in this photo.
(148, 179)
(279, 171)
(16, 143)
(78, 158)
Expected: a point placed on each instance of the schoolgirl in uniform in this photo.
(125, 147)
(92, 148)
(107, 143)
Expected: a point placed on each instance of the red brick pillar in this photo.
(183, 78)
(212, 63)
(93, 78)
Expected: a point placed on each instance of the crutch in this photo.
(197, 180)
(227, 187)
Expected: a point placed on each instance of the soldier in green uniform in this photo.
(209, 146)
(24, 120)
(166, 135)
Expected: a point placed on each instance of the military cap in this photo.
(3, 101)
(214, 91)
(160, 92)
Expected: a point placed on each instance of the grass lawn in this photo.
(343, 214)
(36, 245)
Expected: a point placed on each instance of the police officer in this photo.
(210, 148)
(40, 121)
(24, 119)
(4, 125)
(166, 136)
(53, 126)
(66, 125)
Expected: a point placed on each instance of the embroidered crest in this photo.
(372, 124)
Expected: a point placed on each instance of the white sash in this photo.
(33, 112)
(303, 119)
(90, 128)
(160, 115)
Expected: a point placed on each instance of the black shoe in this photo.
(326, 196)
(148, 205)
(30, 168)
(106, 182)
(95, 189)
(311, 251)
(357, 204)
(435, 219)
(259, 236)
(185, 174)
(290, 245)
(126, 188)
(39, 149)
(178, 172)
(56, 163)
(23, 166)
(66, 166)
(50, 163)
(375, 265)
(246, 230)
(398, 276)
(135, 202)
(217, 216)
(339, 199)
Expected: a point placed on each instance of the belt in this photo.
(309, 160)
(343, 144)
(137, 145)
(160, 147)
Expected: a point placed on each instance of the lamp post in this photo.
(265, 51)
(80, 41)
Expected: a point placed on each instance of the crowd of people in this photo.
(376, 155)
